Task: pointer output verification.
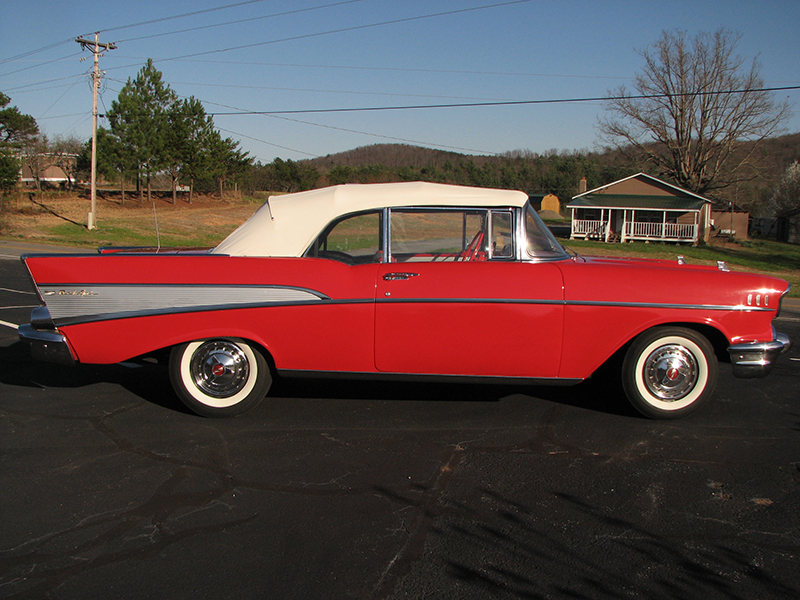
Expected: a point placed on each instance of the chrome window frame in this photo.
(522, 236)
(493, 212)
(381, 212)
(387, 255)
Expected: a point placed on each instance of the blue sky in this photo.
(297, 55)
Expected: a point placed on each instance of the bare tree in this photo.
(698, 113)
(35, 155)
(64, 153)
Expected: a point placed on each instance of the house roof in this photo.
(637, 202)
(286, 225)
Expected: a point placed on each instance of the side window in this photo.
(438, 235)
(502, 234)
(355, 240)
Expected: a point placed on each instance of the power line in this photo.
(347, 29)
(41, 64)
(407, 69)
(163, 19)
(181, 16)
(268, 143)
(293, 38)
(319, 91)
(502, 103)
(32, 52)
(129, 26)
(248, 20)
(33, 85)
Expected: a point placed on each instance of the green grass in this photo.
(69, 234)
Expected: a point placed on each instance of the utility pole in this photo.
(95, 48)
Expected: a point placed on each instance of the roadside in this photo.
(13, 249)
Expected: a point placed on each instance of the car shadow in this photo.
(149, 380)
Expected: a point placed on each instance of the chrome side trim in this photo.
(432, 378)
(755, 359)
(726, 307)
(660, 305)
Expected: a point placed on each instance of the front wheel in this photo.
(219, 377)
(669, 372)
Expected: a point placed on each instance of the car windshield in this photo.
(541, 243)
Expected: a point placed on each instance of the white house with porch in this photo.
(640, 207)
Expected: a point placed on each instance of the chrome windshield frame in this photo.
(559, 252)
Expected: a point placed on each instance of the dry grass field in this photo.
(61, 218)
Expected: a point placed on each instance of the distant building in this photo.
(728, 220)
(550, 203)
(49, 173)
(640, 207)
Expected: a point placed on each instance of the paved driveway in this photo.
(356, 490)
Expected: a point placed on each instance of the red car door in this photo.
(491, 318)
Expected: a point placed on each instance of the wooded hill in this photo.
(553, 172)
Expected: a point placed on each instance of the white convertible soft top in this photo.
(286, 225)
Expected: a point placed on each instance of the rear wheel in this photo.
(219, 377)
(669, 372)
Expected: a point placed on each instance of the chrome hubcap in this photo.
(670, 372)
(220, 368)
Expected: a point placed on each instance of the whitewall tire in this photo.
(669, 372)
(219, 377)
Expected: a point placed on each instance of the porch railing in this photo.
(582, 227)
(674, 232)
(660, 231)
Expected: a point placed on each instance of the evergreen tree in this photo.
(140, 119)
(226, 160)
(191, 135)
(15, 130)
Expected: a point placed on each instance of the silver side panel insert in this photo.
(74, 302)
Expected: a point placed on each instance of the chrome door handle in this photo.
(399, 276)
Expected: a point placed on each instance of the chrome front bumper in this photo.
(755, 359)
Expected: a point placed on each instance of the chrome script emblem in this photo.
(70, 293)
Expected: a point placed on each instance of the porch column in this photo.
(624, 226)
(696, 227)
(572, 224)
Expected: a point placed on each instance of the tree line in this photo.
(550, 173)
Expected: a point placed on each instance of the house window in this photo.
(589, 214)
(649, 216)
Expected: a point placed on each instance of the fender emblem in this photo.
(70, 293)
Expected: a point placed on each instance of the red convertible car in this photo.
(404, 280)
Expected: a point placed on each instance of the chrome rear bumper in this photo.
(45, 341)
(755, 359)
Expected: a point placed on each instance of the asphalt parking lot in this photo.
(375, 491)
